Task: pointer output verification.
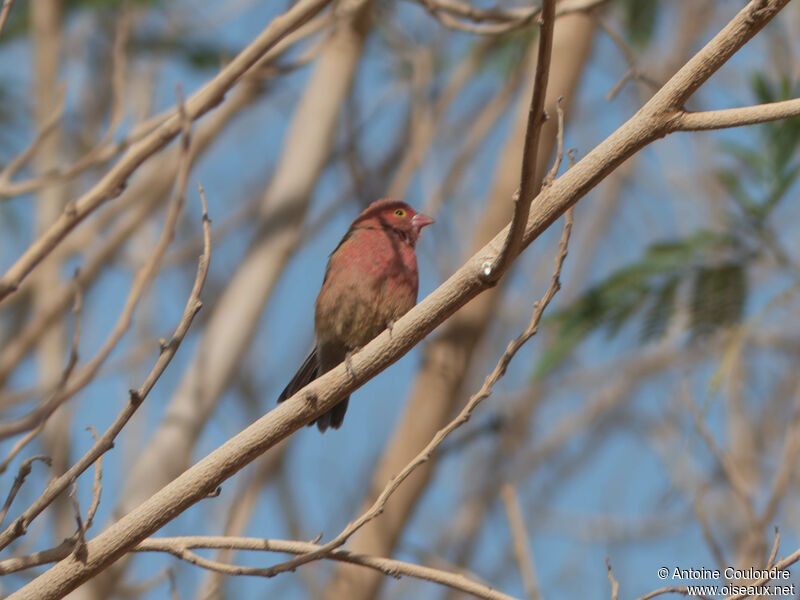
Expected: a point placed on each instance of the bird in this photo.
(371, 281)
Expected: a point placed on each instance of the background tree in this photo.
(652, 422)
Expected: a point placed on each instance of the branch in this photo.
(613, 581)
(519, 538)
(536, 118)
(147, 192)
(463, 17)
(106, 441)
(4, 12)
(144, 277)
(24, 471)
(647, 125)
(112, 184)
(736, 117)
(181, 547)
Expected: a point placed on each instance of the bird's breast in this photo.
(371, 281)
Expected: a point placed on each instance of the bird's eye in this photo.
(400, 212)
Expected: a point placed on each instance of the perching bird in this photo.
(371, 281)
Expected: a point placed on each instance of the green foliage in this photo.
(640, 20)
(706, 260)
(771, 166)
(198, 54)
(711, 268)
(195, 53)
(718, 297)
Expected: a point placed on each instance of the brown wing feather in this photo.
(307, 373)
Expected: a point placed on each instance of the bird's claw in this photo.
(348, 363)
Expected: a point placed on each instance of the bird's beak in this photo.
(419, 221)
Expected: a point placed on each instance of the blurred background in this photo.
(653, 420)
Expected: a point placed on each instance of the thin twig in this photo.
(551, 174)
(49, 126)
(97, 483)
(79, 548)
(519, 537)
(181, 547)
(612, 580)
(646, 126)
(460, 16)
(774, 552)
(24, 471)
(529, 188)
(144, 277)
(729, 467)
(106, 441)
(4, 12)
(65, 375)
(202, 101)
(634, 72)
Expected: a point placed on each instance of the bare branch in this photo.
(613, 581)
(735, 117)
(774, 552)
(24, 471)
(460, 16)
(49, 126)
(529, 187)
(197, 482)
(144, 277)
(114, 181)
(106, 441)
(519, 536)
(79, 545)
(4, 12)
(180, 547)
(97, 483)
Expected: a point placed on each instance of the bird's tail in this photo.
(334, 417)
(307, 373)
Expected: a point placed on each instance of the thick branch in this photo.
(196, 483)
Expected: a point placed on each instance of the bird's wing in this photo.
(307, 373)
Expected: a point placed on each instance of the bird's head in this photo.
(396, 216)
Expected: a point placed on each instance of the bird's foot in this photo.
(348, 363)
(390, 326)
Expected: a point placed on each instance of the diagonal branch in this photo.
(106, 441)
(529, 188)
(4, 12)
(112, 184)
(646, 126)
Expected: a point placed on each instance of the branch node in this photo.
(135, 397)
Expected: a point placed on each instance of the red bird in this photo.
(370, 282)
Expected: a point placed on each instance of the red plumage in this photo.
(370, 282)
